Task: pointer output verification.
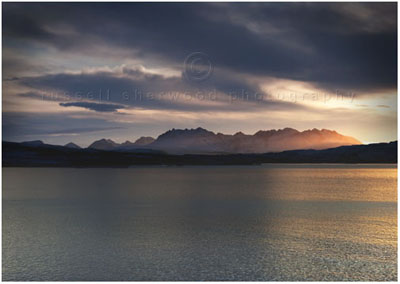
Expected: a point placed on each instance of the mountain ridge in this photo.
(108, 144)
(202, 141)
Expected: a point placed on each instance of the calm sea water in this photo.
(271, 222)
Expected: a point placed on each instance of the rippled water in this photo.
(272, 222)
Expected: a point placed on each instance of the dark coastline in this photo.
(18, 155)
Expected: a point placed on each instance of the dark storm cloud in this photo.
(94, 106)
(337, 45)
(132, 88)
(130, 80)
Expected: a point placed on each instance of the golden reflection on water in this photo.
(331, 184)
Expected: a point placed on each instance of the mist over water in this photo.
(270, 222)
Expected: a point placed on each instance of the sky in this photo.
(85, 71)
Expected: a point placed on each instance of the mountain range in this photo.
(202, 141)
(108, 144)
(202, 147)
(44, 155)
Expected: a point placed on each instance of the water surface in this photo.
(270, 222)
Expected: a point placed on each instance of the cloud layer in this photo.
(127, 58)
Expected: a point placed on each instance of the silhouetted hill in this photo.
(72, 145)
(34, 143)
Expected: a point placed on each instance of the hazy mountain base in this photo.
(22, 155)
